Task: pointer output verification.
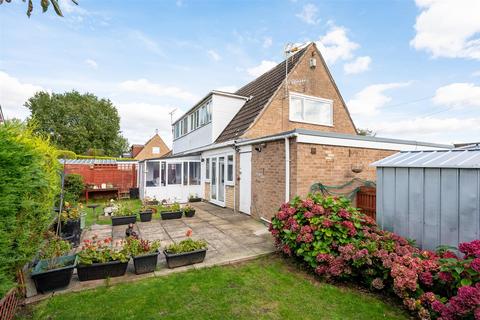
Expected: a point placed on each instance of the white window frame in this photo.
(155, 150)
(230, 182)
(208, 169)
(316, 99)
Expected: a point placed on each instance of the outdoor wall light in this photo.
(260, 147)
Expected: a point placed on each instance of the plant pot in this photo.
(116, 221)
(145, 263)
(146, 216)
(194, 199)
(95, 271)
(189, 213)
(151, 203)
(171, 215)
(175, 260)
(48, 280)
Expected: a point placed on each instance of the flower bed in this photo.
(340, 243)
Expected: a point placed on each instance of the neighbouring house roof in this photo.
(260, 92)
(455, 158)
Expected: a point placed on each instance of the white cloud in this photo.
(358, 65)
(68, 7)
(146, 87)
(335, 45)
(267, 42)
(13, 94)
(448, 28)
(263, 67)
(428, 126)
(92, 63)
(214, 55)
(147, 42)
(309, 14)
(139, 121)
(458, 95)
(372, 98)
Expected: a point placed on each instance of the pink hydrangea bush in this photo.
(340, 243)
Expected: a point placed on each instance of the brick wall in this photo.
(123, 176)
(332, 165)
(207, 191)
(309, 163)
(229, 196)
(268, 179)
(314, 82)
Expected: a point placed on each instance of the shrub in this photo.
(169, 208)
(29, 183)
(73, 187)
(187, 245)
(340, 243)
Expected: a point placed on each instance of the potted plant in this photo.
(144, 254)
(185, 252)
(150, 201)
(194, 198)
(123, 215)
(172, 211)
(70, 223)
(189, 211)
(99, 259)
(146, 214)
(55, 268)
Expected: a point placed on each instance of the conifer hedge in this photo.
(29, 182)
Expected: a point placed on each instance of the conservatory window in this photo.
(230, 168)
(185, 173)
(194, 173)
(174, 173)
(207, 168)
(311, 110)
(153, 173)
(162, 171)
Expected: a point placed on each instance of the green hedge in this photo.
(29, 183)
(74, 187)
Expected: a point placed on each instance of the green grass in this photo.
(267, 288)
(135, 204)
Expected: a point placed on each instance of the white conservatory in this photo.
(178, 176)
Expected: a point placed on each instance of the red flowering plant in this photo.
(340, 243)
(101, 251)
(139, 247)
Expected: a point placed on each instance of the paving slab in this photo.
(231, 237)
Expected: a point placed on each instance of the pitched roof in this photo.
(260, 90)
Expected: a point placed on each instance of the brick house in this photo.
(155, 147)
(272, 139)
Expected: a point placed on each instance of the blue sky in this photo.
(407, 69)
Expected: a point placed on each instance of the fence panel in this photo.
(367, 201)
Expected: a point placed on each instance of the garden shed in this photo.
(430, 196)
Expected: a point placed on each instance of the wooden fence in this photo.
(367, 201)
(9, 304)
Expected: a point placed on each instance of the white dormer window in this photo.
(155, 150)
(311, 110)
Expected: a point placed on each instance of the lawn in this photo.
(267, 288)
(134, 204)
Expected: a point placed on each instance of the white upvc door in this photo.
(217, 182)
(245, 182)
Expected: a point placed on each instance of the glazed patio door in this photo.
(217, 186)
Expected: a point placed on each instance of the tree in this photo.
(77, 122)
(45, 4)
(366, 132)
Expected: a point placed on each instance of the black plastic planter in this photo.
(116, 221)
(194, 199)
(146, 263)
(48, 280)
(189, 213)
(71, 227)
(171, 215)
(175, 260)
(146, 216)
(101, 270)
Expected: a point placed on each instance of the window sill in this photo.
(311, 122)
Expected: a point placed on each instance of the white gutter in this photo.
(287, 169)
(266, 139)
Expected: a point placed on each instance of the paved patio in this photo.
(231, 237)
